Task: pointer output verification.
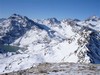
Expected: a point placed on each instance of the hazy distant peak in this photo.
(92, 18)
(52, 19)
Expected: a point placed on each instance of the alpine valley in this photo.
(24, 41)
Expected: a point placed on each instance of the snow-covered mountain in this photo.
(24, 42)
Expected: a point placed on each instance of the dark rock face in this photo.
(94, 48)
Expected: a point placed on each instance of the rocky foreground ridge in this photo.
(59, 69)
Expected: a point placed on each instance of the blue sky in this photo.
(41, 9)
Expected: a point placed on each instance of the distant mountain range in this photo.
(24, 41)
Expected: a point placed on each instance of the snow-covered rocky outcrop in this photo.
(24, 42)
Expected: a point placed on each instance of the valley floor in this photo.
(59, 69)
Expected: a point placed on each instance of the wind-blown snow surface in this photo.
(47, 40)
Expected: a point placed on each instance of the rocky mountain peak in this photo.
(14, 27)
(15, 16)
(19, 18)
